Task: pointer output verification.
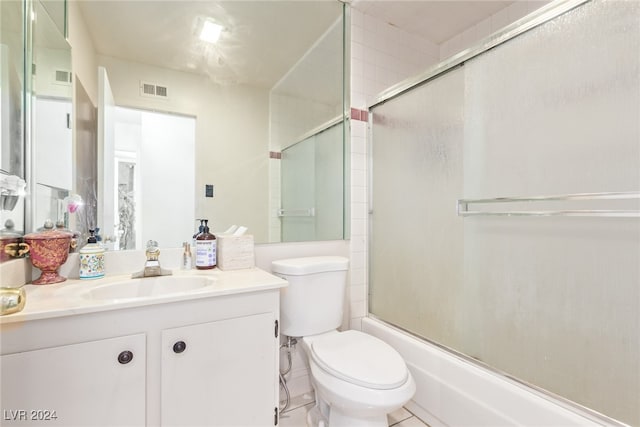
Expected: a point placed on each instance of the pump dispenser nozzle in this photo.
(200, 229)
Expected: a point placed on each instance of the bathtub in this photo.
(452, 391)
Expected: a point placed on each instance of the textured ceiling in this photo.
(262, 41)
(264, 38)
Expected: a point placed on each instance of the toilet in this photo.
(358, 379)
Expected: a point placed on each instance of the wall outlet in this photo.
(208, 190)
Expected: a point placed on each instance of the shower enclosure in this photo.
(312, 187)
(505, 196)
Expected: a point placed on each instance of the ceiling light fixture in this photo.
(211, 31)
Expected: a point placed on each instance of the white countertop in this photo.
(71, 296)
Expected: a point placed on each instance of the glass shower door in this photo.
(312, 188)
(552, 300)
(416, 243)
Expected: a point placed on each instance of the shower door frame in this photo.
(531, 21)
(511, 31)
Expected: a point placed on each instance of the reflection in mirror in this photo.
(307, 130)
(12, 90)
(51, 120)
(147, 145)
(84, 164)
(57, 11)
(312, 187)
(255, 93)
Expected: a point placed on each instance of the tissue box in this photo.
(235, 252)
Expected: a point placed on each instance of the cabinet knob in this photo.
(179, 347)
(125, 357)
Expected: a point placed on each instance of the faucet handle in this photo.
(152, 251)
(152, 266)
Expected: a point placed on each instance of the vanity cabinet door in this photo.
(221, 373)
(97, 383)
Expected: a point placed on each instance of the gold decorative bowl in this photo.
(49, 249)
(12, 300)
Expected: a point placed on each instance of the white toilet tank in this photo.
(314, 300)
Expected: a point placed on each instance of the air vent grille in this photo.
(62, 77)
(161, 91)
(148, 89)
(153, 90)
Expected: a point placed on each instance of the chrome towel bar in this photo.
(463, 205)
(297, 212)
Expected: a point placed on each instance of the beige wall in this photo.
(83, 56)
(231, 129)
(231, 138)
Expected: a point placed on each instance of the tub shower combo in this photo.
(505, 195)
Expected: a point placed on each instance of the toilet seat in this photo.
(360, 359)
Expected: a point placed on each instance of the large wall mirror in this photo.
(248, 131)
(52, 169)
(35, 111)
(12, 107)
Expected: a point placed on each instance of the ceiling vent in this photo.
(62, 77)
(153, 90)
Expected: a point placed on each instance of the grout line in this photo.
(397, 423)
(414, 415)
(402, 420)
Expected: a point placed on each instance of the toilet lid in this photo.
(360, 359)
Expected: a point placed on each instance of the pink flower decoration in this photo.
(74, 202)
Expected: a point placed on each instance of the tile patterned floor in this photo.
(296, 415)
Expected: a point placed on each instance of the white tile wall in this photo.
(274, 200)
(359, 212)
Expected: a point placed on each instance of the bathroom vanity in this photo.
(120, 351)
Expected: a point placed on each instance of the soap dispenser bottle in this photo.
(205, 249)
(92, 258)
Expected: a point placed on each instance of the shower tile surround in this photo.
(367, 74)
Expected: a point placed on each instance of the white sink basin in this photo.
(148, 287)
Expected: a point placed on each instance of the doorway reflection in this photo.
(126, 203)
(147, 183)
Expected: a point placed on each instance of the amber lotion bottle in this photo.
(205, 249)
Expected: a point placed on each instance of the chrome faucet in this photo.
(152, 265)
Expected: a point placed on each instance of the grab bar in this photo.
(463, 205)
(297, 212)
